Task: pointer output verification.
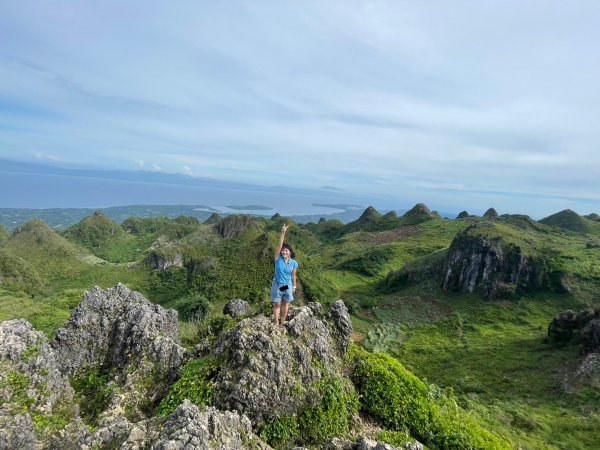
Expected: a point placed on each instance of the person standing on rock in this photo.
(284, 280)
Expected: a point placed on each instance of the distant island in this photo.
(250, 207)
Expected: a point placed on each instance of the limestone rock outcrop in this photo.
(31, 385)
(268, 375)
(479, 261)
(119, 332)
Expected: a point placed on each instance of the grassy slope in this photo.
(492, 353)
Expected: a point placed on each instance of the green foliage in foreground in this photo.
(92, 393)
(330, 418)
(195, 384)
(402, 402)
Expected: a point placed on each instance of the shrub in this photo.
(315, 424)
(193, 308)
(92, 392)
(195, 384)
(401, 402)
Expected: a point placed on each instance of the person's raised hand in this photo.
(284, 228)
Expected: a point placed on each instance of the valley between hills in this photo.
(464, 319)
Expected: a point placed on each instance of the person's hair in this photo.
(289, 247)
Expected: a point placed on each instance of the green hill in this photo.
(97, 233)
(570, 220)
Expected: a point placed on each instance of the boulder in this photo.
(576, 327)
(188, 427)
(237, 308)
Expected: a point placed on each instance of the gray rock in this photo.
(576, 327)
(272, 371)
(237, 308)
(30, 384)
(156, 260)
(188, 428)
(234, 225)
(497, 268)
(366, 443)
(118, 331)
(342, 325)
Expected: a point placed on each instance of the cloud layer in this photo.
(462, 105)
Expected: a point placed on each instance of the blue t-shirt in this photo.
(283, 270)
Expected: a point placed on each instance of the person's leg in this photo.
(284, 311)
(276, 310)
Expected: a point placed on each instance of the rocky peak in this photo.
(419, 213)
(463, 215)
(273, 371)
(369, 214)
(490, 214)
(233, 226)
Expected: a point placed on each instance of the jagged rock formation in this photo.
(119, 332)
(31, 385)
(582, 328)
(236, 308)
(567, 219)
(188, 427)
(233, 226)
(269, 375)
(163, 262)
(479, 260)
(490, 214)
(463, 215)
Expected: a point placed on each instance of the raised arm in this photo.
(281, 239)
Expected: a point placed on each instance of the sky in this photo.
(462, 105)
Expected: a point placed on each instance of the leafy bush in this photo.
(193, 307)
(195, 384)
(92, 392)
(315, 424)
(401, 402)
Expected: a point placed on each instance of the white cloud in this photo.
(373, 96)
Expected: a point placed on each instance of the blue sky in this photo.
(457, 104)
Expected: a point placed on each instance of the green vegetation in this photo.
(499, 381)
(403, 403)
(195, 384)
(92, 392)
(315, 424)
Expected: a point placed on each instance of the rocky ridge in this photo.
(134, 345)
